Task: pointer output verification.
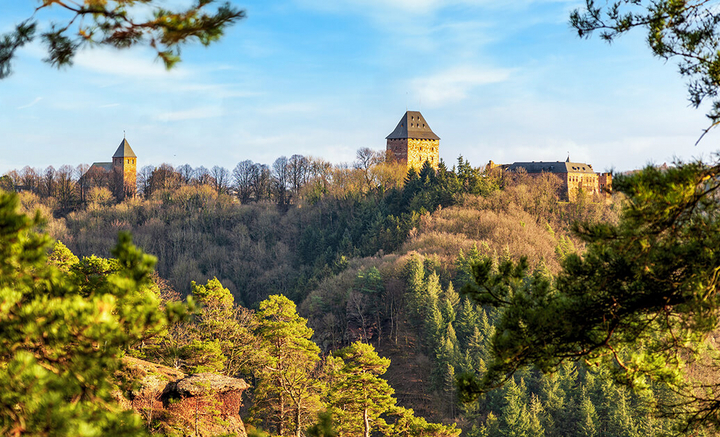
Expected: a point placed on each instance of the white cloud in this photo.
(30, 104)
(417, 7)
(453, 85)
(191, 114)
(289, 108)
(135, 64)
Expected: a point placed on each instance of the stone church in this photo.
(120, 174)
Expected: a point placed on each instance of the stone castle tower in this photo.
(413, 142)
(124, 164)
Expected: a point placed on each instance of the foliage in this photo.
(116, 24)
(641, 301)
(686, 29)
(287, 393)
(61, 341)
(358, 396)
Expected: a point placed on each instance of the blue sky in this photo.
(501, 80)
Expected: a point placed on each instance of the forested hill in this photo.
(379, 260)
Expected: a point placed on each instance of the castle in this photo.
(120, 174)
(575, 177)
(413, 142)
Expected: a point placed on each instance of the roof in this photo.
(124, 150)
(412, 125)
(108, 166)
(552, 167)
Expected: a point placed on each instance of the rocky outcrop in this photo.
(203, 404)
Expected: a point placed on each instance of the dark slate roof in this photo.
(412, 125)
(108, 166)
(124, 150)
(552, 167)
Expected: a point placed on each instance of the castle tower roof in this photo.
(124, 150)
(412, 125)
(552, 167)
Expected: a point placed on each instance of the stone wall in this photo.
(420, 151)
(415, 152)
(127, 167)
(586, 182)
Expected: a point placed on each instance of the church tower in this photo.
(413, 142)
(124, 165)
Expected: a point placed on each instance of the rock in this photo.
(204, 404)
(202, 383)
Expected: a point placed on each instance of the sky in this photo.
(496, 80)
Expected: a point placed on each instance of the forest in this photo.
(363, 299)
(365, 265)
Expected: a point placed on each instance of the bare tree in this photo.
(15, 179)
(298, 169)
(220, 179)
(186, 173)
(262, 181)
(164, 178)
(144, 180)
(66, 187)
(281, 180)
(82, 181)
(321, 170)
(244, 174)
(30, 179)
(202, 176)
(366, 159)
(48, 182)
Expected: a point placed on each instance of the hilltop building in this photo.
(120, 174)
(413, 142)
(575, 176)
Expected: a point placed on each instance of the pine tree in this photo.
(514, 420)
(536, 411)
(414, 274)
(287, 393)
(409, 425)
(218, 338)
(467, 320)
(588, 417)
(62, 338)
(358, 395)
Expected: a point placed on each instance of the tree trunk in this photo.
(297, 421)
(281, 418)
(366, 421)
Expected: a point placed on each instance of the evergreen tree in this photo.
(61, 341)
(408, 425)
(588, 417)
(358, 394)
(640, 301)
(414, 274)
(536, 411)
(222, 337)
(514, 419)
(287, 392)
(115, 24)
(467, 321)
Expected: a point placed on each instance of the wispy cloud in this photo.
(111, 105)
(290, 108)
(37, 99)
(455, 84)
(135, 64)
(191, 114)
(376, 8)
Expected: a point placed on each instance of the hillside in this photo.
(355, 276)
